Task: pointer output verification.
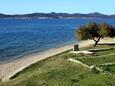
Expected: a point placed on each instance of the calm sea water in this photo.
(19, 37)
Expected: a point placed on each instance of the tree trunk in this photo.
(96, 41)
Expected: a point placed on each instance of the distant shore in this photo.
(54, 15)
(9, 69)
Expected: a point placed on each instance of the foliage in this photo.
(105, 30)
(95, 32)
(58, 71)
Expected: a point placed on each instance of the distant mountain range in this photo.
(54, 15)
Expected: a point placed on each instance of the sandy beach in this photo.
(9, 69)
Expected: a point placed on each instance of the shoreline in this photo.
(9, 69)
(20, 57)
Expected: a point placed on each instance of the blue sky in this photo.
(69, 6)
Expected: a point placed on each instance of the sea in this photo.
(21, 37)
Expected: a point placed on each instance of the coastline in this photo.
(9, 69)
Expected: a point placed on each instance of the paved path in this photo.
(10, 69)
(81, 63)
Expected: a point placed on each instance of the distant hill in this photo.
(54, 15)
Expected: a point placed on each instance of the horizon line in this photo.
(53, 12)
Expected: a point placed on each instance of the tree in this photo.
(95, 32)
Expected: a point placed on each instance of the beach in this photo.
(7, 70)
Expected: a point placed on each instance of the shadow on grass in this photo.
(97, 50)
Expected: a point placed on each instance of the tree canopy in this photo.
(95, 31)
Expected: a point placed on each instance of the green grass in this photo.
(105, 54)
(58, 71)
(109, 68)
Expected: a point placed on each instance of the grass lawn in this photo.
(58, 71)
(109, 68)
(103, 54)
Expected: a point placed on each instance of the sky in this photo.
(65, 6)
